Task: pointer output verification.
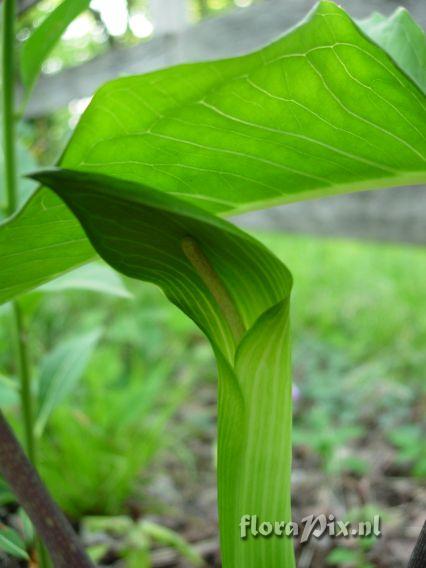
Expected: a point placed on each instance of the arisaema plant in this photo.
(156, 164)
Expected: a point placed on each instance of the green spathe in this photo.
(144, 234)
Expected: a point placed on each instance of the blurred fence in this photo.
(238, 31)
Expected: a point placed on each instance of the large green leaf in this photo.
(323, 110)
(238, 294)
(44, 38)
(41, 242)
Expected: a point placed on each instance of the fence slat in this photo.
(392, 215)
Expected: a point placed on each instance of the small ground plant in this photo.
(156, 163)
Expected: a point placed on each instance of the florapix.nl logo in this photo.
(311, 526)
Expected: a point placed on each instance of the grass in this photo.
(365, 299)
(359, 336)
(359, 353)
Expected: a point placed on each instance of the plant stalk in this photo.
(25, 380)
(10, 173)
(8, 85)
(9, 143)
(49, 521)
(21, 338)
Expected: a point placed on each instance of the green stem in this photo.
(9, 138)
(21, 335)
(25, 380)
(15, 466)
(9, 104)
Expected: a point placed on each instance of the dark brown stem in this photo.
(48, 519)
(418, 556)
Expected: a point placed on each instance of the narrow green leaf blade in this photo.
(44, 38)
(9, 392)
(6, 496)
(59, 373)
(12, 543)
(168, 537)
(26, 526)
(93, 277)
